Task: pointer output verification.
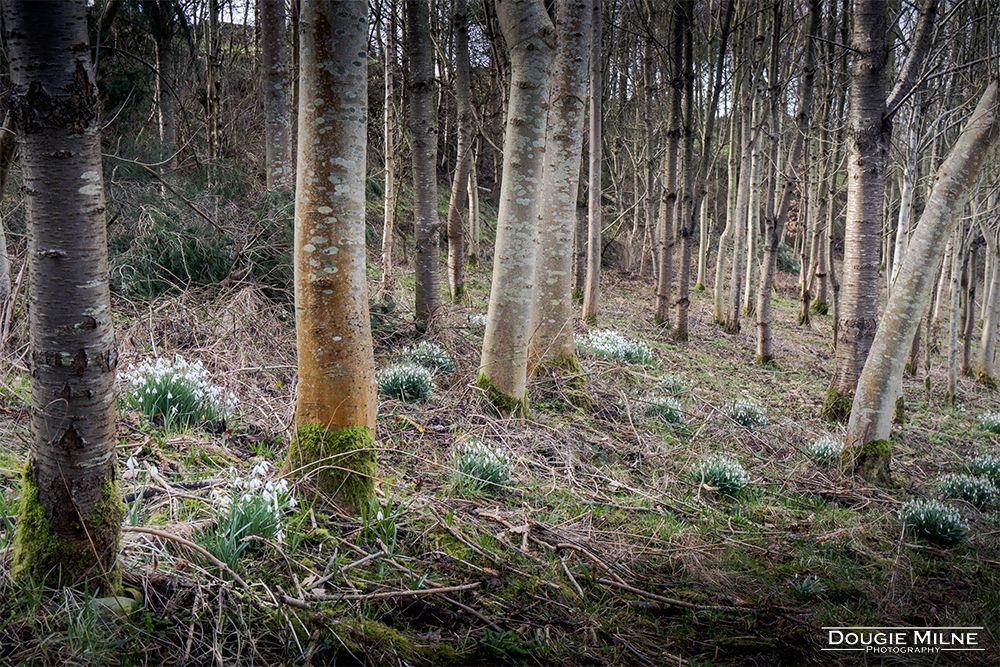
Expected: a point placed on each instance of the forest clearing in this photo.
(503, 332)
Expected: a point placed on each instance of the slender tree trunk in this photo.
(969, 312)
(753, 220)
(592, 288)
(881, 380)
(336, 400)
(687, 204)
(423, 138)
(750, 137)
(71, 509)
(727, 234)
(277, 123)
(988, 340)
(530, 36)
(704, 240)
(959, 242)
(213, 64)
(7, 150)
(463, 157)
(473, 187)
(389, 128)
(552, 336)
(669, 208)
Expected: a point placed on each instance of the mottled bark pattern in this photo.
(881, 381)
(277, 122)
(530, 37)
(553, 324)
(423, 137)
(867, 146)
(333, 334)
(72, 343)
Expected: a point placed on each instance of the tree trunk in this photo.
(881, 380)
(335, 403)
(669, 208)
(423, 137)
(7, 150)
(969, 312)
(988, 340)
(389, 128)
(552, 331)
(473, 187)
(277, 123)
(463, 157)
(213, 62)
(71, 509)
(959, 242)
(530, 37)
(592, 287)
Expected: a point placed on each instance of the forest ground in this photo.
(604, 550)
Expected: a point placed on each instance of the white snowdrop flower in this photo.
(131, 463)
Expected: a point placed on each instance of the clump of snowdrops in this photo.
(934, 521)
(406, 381)
(825, 450)
(747, 413)
(614, 346)
(177, 390)
(430, 355)
(481, 466)
(722, 473)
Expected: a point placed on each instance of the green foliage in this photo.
(990, 421)
(613, 346)
(722, 473)
(807, 588)
(934, 521)
(253, 506)
(430, 355)
(979, 491)
(672, 386)
(380, 523)
(825, 450)
(985, 465)
(480, 466)
(746, 413)
(407, 382)
(177, 391)
(169, 257)
(665, 409)
(786, 261)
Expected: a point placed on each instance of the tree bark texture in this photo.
(389, 128)
(423, 137)
(336, 387)
(669, 202)
(880, 383)
(71, 509)
(463, 156)
(592, 287)
(277, 122)
(530, 37)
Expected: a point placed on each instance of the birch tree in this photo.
(880, 383)
(335, 401)
(530, 37)
(69, 521)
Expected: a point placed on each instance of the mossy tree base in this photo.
(681, 336)
(911, 369)
(40, 556)
(899, 411)
(871, 461)
(565, 380)
(767, 361)
(836, 407)
(819, 308)
(987, 381)
(339, 464)
(590, 319)
(577, 295)
(699, 287)
(505, 405)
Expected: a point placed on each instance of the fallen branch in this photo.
(194, 547)
(666, 600)
(395, 594)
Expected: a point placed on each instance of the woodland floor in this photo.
(605, 551)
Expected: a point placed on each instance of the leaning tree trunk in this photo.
(880, 383)
(504, 367)
(71, 509)
(592, 286)
(336, 401)
(423, 137)
(463, 157)
(277, 123)
(552, 345)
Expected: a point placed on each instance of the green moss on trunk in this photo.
(699, 287)
(339, 464)
(987, 381)
(836, 407)
(871, 461)
(505, 405)
(819, 307)
(899, 411)
(40, 556)
(577, 295)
